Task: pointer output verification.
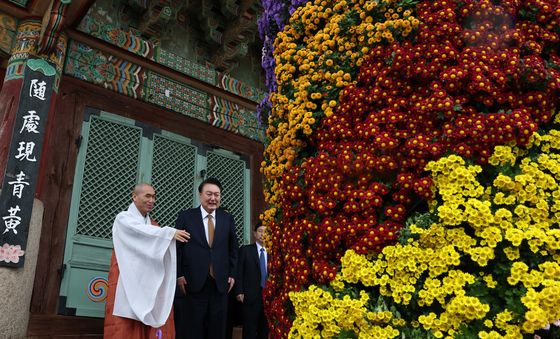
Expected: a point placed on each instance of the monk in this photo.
(142, 273)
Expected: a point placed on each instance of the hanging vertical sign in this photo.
(22, 166)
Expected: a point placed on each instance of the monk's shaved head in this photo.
(141, 187)
(144, 197)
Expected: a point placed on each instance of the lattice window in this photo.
(173, 178)
(230, 172)
(110, 172)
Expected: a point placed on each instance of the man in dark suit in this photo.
(205, 266)
(251, 279)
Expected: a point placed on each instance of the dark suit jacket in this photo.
(248, 281)
(194, 256)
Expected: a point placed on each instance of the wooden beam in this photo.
(56, 326)
(161, 69)
(38, 8)
(15, 10)
(76, 12)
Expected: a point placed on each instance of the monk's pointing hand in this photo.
(182, 235)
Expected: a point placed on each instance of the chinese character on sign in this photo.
(19, 184)
(25, 150)
(12, 221)
(37, 89)
(30, 122)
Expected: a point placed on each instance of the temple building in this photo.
(97, 96)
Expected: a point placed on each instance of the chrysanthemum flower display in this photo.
(366, 93)
(318, 38)
(484, 263)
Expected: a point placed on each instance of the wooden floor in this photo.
(65, 327)
(237, 331)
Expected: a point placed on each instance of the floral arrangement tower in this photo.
(371, 105)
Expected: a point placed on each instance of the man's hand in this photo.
(182, 283)
(240, 297)
(231, 282)
(182, 235)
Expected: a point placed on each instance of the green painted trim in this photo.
(176, 137)
(66, 2)
(118, 119)
(42, 66)
(87, 240)
(74, 208)
(88, 265)
(247, 227)
(145, 161)
(201, 164)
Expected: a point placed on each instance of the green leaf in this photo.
(346, 334)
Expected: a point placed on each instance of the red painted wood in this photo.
(57, 326)
(9, 98)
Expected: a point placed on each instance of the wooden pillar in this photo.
(30, 35)
(42, 42)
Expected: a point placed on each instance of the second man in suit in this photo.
(205, 266)
(251, 279)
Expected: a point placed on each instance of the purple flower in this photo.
(296, 4)
(263, 110)
(272, 20)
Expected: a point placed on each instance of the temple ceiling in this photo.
(218, 34)
(222, 33)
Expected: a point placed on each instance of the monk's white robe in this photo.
(147, 262)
